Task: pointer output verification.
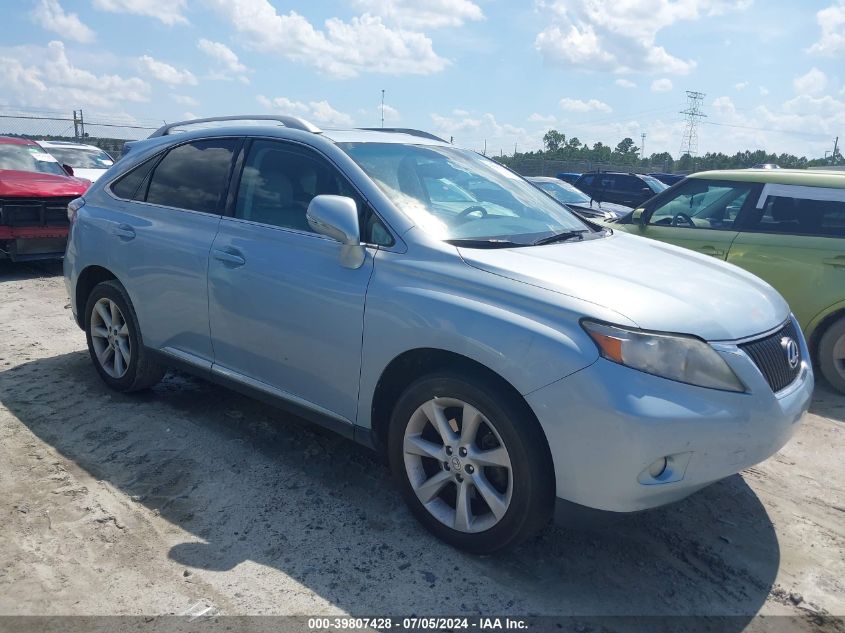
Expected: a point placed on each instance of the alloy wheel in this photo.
(458, 465)
(110, 337)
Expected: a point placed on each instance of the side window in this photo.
(708, 204)
(800, 216)
(586, 181)
(193, 176)
(128, 186)
(279, 181)
(629, 184)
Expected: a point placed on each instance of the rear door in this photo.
(700, 215)
(161, 232)
(794, 238)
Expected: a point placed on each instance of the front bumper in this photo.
(607, 424)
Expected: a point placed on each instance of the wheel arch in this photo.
(410, 365)
(85, 283)
(819, 325)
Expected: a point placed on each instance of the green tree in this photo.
(553, 140)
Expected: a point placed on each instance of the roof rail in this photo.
(293, 122)
(405, 130)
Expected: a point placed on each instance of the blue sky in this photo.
(503, 71)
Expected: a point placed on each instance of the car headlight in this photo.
(674, 356)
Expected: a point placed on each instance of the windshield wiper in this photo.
(484, 243)
(561, 237)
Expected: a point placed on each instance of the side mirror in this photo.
(637, 217)
(337, 217)
(68, 169)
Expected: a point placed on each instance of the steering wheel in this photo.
(463, 216)
(683, 217)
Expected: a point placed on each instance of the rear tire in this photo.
(114, 340)
(832, 355)
(489, 484)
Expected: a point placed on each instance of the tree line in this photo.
(556, 146)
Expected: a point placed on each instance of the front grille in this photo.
(770, 356)
(34, 211)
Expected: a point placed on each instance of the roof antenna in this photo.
(382, 107)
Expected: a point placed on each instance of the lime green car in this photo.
(785, 226)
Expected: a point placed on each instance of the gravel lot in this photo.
(191, 498)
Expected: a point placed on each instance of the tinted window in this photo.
(628, 184)
(279, 181)
(128, 186)
(800, 216)
(708, 204)
(193, 176)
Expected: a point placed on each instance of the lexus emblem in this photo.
(793, 353)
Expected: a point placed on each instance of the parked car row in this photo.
(511, 359)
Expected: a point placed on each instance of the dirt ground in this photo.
(193, 499)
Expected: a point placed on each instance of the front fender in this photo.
(528, 336)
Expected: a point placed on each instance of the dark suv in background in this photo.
(631, 190)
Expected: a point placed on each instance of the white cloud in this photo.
(577, 105)
(343, 49)
(764, 92)
(185, 100)
(391, 114)
(831, 20)
(223, 55)
(470, 130)
(741, 86)
(44, 76)
(431, 14)
(540, 118)
(724, 106)
(625, 83)
(169, 12)
(589, 35)
(316, 111)
(661, 85)
(49, 14)
(813, 83)
(165, 72)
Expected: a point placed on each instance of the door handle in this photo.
(836, 262)
(232, 259)
(124, 232)
(712, 250)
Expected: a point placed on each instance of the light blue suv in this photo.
(510, 359)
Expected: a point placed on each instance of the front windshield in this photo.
(28, 158)
(563, 192)
(80, 158)
(456, 194)
(655, 184)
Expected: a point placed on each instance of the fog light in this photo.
(658, 468)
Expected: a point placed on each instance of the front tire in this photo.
(832, 355)
(471, 461)
(114, 340)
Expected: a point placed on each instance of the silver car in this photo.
(511, 360)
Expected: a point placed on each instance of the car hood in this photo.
(657, 286)
(30, 184)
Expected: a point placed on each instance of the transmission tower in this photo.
(689, 142)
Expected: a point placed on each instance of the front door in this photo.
(285, 316)
(699, 215)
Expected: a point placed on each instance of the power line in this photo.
(689, 141)
(765, 129)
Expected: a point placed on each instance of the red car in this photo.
(34, 193)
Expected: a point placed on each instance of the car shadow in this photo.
(251, 483)
(827, 402)
(18, 271)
